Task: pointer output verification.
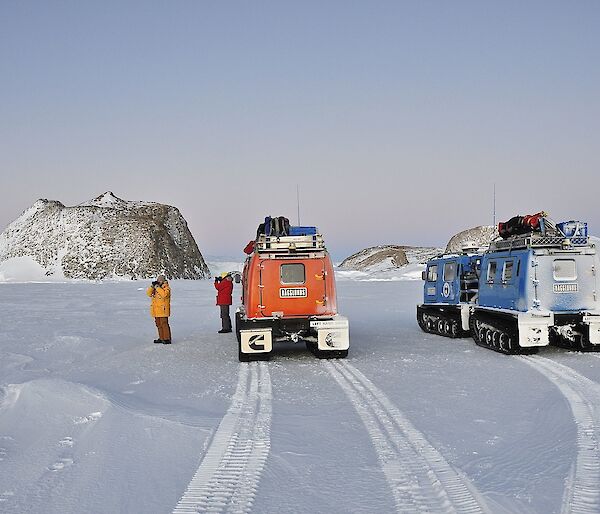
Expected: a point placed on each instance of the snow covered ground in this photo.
(95, 418)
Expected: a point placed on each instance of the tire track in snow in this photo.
(418, 475)
(582, 492)
(228, 476)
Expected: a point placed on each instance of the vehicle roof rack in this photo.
(289, 244)
(535, 240)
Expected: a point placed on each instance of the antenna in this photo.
(298, 201)
(494, 204)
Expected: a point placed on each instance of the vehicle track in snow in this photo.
(228, 476)
(420, 478)
(582, 490)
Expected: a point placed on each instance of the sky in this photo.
(393, 119)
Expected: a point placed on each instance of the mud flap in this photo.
(534, 329)
(332, 334)
(256, 341)
(594, 323)
(465, 317)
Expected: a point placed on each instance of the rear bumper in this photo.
(329, 333)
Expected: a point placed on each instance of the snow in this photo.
(26, 269)
(96, 418)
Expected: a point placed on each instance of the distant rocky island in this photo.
(477, 237)
(387, 257)
(105, 238)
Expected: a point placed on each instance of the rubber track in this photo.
(582, 494)
(230, 471)
(420, 478)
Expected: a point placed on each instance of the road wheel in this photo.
(447, 327)
(429, 324)
(504, 341)
(455, 329)
(440, 326)
(482, 335)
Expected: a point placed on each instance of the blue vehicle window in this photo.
(432, 273)
(507, 271)
(564, 269)
(449, 271)
(491, 271)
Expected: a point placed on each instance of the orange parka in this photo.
(161, 300)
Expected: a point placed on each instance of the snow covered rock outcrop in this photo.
(378, 258)
(106, 237)
(481, 237)
(386, 262)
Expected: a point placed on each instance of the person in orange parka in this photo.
(224, 287)
(160, 308)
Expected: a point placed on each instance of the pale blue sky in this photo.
(395, 118)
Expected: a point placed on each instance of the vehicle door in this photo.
(293, 287)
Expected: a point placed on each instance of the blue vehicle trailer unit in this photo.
(524, 292)
(451, 283)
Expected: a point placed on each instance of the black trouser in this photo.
(225, 319)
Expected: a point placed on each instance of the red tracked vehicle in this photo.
(289, 295)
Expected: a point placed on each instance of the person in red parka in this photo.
(224, 287)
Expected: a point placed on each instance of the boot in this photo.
(166, 341)
(157, 341)
(224, 331)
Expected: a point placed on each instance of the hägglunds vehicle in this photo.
(536, 286)
(289, 294)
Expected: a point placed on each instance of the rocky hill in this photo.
(106, 237)
(481, 236)
(387, 257)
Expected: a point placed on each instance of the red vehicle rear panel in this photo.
(289, 287)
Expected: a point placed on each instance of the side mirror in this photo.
(423, 275)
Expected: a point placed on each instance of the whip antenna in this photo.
(494, 204)
(298, 201)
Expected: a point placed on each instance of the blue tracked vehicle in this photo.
(526, 291)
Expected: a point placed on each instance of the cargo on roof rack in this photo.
(289, 243)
